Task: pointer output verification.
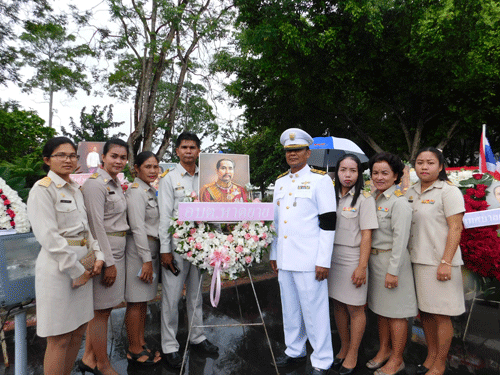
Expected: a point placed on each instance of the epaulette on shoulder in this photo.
(366, 194)
(94, 175)
(317, 171)
(135, 185)
(45, 182)
(450, 183)
(164, 173)
(398, 193)
(283, 174)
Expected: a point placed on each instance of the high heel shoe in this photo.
(84, 368)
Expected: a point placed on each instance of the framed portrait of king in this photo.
(223, 177)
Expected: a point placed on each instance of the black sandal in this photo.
(146, 347)
(134, 358)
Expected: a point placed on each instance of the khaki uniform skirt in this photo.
(439, 297)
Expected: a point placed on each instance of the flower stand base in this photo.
(191, 326)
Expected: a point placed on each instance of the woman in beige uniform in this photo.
(391, 289)
(356, 218)
(438, 208)
(107, 210)
(63, 286)
(143, 248)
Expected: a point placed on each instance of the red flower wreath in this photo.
(480, 246)
(8, 210)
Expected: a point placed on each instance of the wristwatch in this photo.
(445, 262)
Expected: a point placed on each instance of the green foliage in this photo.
(23, 132)
(390, 75)
(22, 173)
(94, 126)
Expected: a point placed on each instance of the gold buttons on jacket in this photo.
(285, 221)
(286, 236)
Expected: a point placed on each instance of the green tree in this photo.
(94, 126)
(156, 42)
(51, 51)
(23, 132)
(389, 75)
(9, 19)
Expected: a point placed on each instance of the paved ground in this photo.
(245, 351)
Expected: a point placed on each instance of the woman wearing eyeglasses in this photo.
(107, 210)
(63, 285)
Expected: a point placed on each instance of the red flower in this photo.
(470, 192)
(481, 187)
(477, 176)
(480, 193)
(6, 202)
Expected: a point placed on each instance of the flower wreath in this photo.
(480, 246)
(224, 249)
(13, 212)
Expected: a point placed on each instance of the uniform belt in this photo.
(116, 234)
(73, 242)
(153, 238)
(378, 251)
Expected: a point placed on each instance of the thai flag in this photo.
(487, 160)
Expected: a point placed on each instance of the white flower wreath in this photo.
(13, 212)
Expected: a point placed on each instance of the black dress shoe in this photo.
(174, 359)
(421, 369)
(346, 371)
(284, 360)
(318, 371)
(337, 362)
(206, 346)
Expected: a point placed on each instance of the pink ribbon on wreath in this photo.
(218, 260)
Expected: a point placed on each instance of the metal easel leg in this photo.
(21, 344)
(263, 324)
(190, 328)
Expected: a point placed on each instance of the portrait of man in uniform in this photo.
(90, 156)
(493, 196)
(223, 177)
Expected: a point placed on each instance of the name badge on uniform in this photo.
(428, 201)
(350, 209)
(383, 209)
(111, 192)
(410, 200)
(65, 201)
(179, 188)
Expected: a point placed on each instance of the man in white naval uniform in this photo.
(304, 216)
(173, 187)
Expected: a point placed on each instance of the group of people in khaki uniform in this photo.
(396, 252)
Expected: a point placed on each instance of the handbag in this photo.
(88, 260)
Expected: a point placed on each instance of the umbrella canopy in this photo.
(326, 151)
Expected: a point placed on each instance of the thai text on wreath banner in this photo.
(481, 218)
(225, 212)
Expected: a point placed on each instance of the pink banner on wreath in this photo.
(225, 212)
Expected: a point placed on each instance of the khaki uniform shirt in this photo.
(143, 215)
(57, 213)
(107, 209)
(352, 220)
(172, 190)
(429, 228)
(394, 215)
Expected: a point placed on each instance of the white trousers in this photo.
(171, 295)
(306, 315)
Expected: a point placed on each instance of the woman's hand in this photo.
(98, 264)
(82, 280)
(359, 276)
(147, 272)
(444, 272)
(109, 276)
(391, 281)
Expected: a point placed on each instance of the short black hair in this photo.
(187, 136)
(114, 142)
(358, 186)
(143, 156)
(397, 166)
(440, 157)
(51, 145)
(221, 160)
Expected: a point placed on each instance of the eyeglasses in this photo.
(63, 157)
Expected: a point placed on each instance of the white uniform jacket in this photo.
(299, 199)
